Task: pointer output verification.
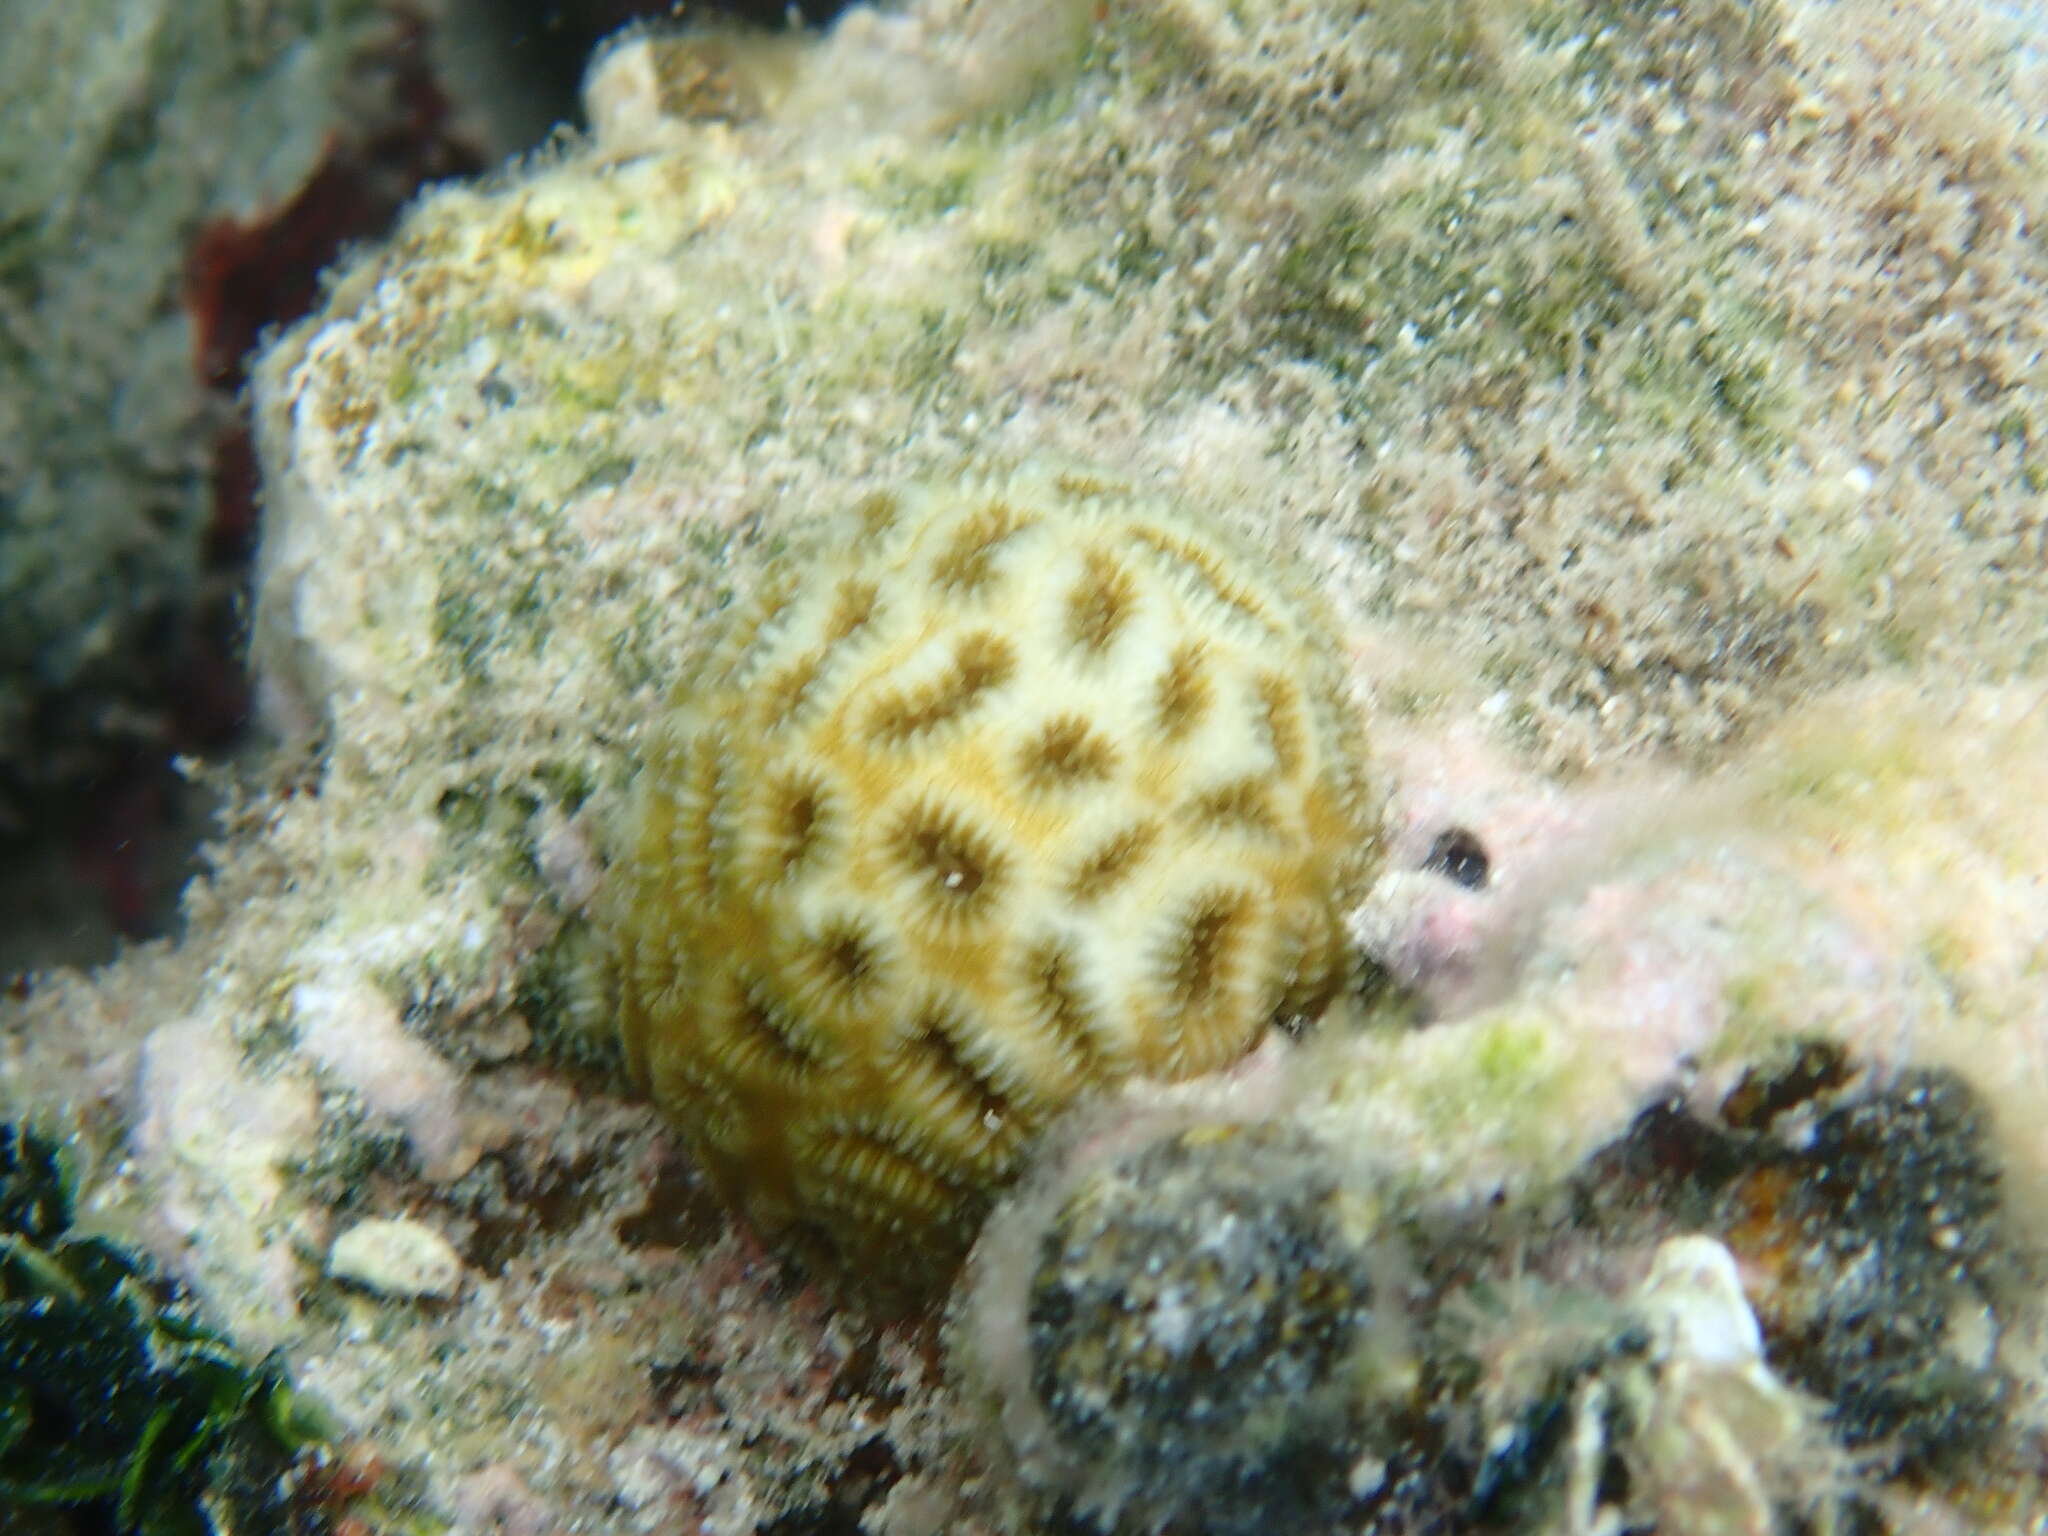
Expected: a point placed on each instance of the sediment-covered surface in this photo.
(1656, 395)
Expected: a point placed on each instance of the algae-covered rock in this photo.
(1753, 1050)
(1626, 374)
(1658, 364)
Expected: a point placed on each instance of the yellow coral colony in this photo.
(1007, 793)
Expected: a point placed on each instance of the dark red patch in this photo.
(244, 277)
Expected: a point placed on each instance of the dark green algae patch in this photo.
(120, 1410)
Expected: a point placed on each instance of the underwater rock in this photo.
(1624, 374)
(176, 177)
(1233, 1326)
(1203, 1335)
(1870, 1223)
(404, 1260)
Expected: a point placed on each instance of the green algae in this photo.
(117, 1403)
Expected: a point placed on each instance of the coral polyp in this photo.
(1002, 793)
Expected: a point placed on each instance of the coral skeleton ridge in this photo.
(1006, 792)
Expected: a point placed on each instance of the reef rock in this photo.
(1633, 380)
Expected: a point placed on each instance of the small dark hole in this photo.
(1457, 855)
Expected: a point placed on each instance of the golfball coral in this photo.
(1002, 793)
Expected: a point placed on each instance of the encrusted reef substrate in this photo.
(1788, 1311)
(1721, 1214)
(1624, 372)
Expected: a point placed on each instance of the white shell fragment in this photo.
(404, 1260)
(1694, 1303)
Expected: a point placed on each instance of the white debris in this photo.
(399, 1259)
